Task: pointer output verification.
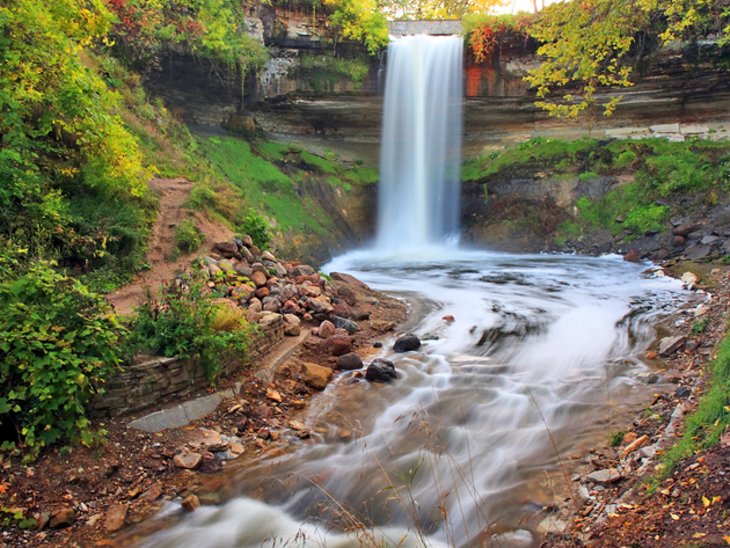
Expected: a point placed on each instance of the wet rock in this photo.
(190, 503)
(605, 476)
(709, 239)
(381, 370)
(247, 240)
(682, 392)
(448, 318)
(669, 345)
(187, 459)
(292, 325)
(326, 329)
(678, 241)
(689, 279)
(338, 344)
(268, 256)
(316, 376)
(406, 343)
(210, 440)
(632, 256)
(271, 304)
(343, 323)
(62, 517)
(115, 517)
(349, 362)
(274, 395)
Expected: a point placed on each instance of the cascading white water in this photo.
(421, 143)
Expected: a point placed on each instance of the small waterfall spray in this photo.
(421, 143)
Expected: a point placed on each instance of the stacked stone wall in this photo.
(160, 380)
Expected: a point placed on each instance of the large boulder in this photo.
(406, 343)
(292, 325)
(315, 376)
(338, 344)
(326, 329)
(349, 361)
(343, 323)
(227, 250)
(381, 370)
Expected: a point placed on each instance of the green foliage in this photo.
(184, 323)
(215, 29)
(256, 226)
(58, 343)
(587, 45)
(616, 439)
(323, 72)
(61, 140)
(188, 237)
(587, 176)
(360, 20)
(706, 424)
(699, 326)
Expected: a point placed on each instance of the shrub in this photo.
(256, 226)
(183, 323)
(58, 343)
(188, 237)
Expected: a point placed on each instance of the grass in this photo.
(712, 416)
(654, 169)
(268, 174)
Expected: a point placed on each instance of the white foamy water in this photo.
(421, 142)
(466, 444)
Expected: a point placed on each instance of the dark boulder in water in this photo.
(407, 343)
(381, 370)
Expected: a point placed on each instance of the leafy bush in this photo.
(256, 226)
(58, 343)
(183, 323)
(188, 237)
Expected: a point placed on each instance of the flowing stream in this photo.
(468, 443)
(474, 438)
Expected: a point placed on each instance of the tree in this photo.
(587, 45)
(435, 9)
(360, 20)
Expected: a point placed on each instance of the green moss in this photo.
(323, 72)
(318, 162)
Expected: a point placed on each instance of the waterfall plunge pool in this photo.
(466, 446)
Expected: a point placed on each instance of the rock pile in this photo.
(269, 289)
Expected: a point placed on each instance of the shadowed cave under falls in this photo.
(467, 447)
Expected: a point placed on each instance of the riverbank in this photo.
(621, 493)
(108, 493)
(93, 496)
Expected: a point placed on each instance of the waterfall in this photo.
(421, 143)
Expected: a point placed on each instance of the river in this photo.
(475, 436)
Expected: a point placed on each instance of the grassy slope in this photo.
(653, 171)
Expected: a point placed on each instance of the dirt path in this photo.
(173, 195)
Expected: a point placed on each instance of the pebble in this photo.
(190, 503)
